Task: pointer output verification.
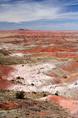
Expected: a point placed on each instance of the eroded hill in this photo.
(45, 66)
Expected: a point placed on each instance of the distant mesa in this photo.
(21, 29)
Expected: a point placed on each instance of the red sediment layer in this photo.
(4, 84)
(71, 105)
(47, 49)
(4, 73)
(50, 51)
(71, 66)
(9, 105)
(5, 70)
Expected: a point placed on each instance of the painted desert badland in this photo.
(38, 74)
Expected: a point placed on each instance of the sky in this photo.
(39, 14)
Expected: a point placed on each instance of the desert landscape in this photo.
(38, 74)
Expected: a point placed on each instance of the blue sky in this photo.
(39, 14)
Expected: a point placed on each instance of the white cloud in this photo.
(69, 15)
(27, 12)
(30, 11)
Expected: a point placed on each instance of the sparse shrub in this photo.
(20, 95)
(76, 83)
(34, 92)
(22, 65)
(44, 95)
(57, 93)
(22, 78)
(65, 76)
(18, 77)
(32, 84)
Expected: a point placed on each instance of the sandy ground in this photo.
(35, 74)
(35, 78)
